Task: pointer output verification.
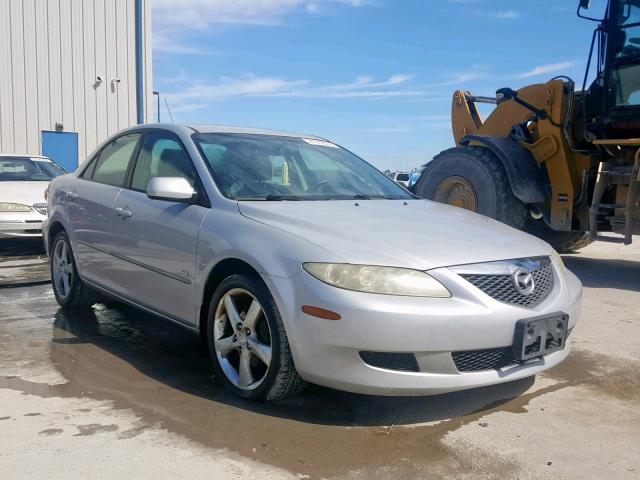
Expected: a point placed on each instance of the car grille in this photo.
(502, 288)
(476, 360)
(405, 362)
(41, 207)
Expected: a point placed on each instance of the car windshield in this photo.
(14, 169)
(268, 167)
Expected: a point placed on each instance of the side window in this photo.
(88, 170)
(111, 166)
(161, 156)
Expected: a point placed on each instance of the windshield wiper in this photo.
(361, 196)
(269, 198)
(279, 198)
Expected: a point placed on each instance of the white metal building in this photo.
(72, 72)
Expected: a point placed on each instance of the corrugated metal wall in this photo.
(51, 54)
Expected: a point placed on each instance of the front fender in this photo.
(526, 177)
(268, 250)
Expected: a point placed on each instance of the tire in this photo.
(481, 178)
(561, 241)
(72, 293)
(275, 381)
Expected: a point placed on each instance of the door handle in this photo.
(123, 213)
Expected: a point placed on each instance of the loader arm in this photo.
(543, 137)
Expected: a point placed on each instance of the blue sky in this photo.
(375, 76)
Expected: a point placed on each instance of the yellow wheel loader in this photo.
(558, 163)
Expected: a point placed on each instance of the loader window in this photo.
(625, 83)
(626, 39)
(628, 13)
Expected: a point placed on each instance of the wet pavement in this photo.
(115, 383)
(23, 261)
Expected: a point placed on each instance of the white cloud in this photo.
(162, 42)
(369, 82)
(507, 15)
(547, 69)
(202, 14)
(200, 93)
(476, 72)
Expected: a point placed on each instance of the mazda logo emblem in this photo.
(523, 281)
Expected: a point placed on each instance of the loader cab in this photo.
(612, 103)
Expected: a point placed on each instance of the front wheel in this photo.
(68, 288)
(248, 343)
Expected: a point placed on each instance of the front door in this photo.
(157, 239)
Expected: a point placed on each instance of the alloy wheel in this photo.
(62, 269)
(242, 339)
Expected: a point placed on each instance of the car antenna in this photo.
(168, 109)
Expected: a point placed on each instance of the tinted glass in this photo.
(113, 162)
(161, 156)
(27, 169)
(625, 83)
(265, 167)
(625, 42)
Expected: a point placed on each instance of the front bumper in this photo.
(328, 352)
(21, 224)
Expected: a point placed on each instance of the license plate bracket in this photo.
(537, 336)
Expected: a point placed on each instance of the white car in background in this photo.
(23, 181)
(401, 177)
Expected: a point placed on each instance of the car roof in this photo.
(22, 155)
(195, 128)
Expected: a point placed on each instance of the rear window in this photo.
(16, 169)
(111, 166)
(402, 177)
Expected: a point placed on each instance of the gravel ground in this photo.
(115, 392)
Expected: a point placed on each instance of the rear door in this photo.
(156, 238)
(89, 206)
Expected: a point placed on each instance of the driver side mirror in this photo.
(585, 4)
(174, 189)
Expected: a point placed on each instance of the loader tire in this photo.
(561, 241)
(475, 179)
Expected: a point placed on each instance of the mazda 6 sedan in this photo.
(298, 261)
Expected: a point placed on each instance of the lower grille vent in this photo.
(404, 362)
(491, 359)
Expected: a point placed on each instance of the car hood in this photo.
(417, 234)
(25, 192)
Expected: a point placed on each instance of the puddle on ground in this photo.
(162, 373)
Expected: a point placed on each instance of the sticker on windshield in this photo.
(320, 143)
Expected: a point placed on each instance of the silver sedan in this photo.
(298, 261)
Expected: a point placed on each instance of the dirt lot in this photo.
(116, 392)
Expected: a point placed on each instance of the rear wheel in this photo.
(68, 288)
(472, 178)
(248, 343)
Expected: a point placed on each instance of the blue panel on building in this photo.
(62, 147)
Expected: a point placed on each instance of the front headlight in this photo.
(14, 207)
(372, 279)
(557, 259)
